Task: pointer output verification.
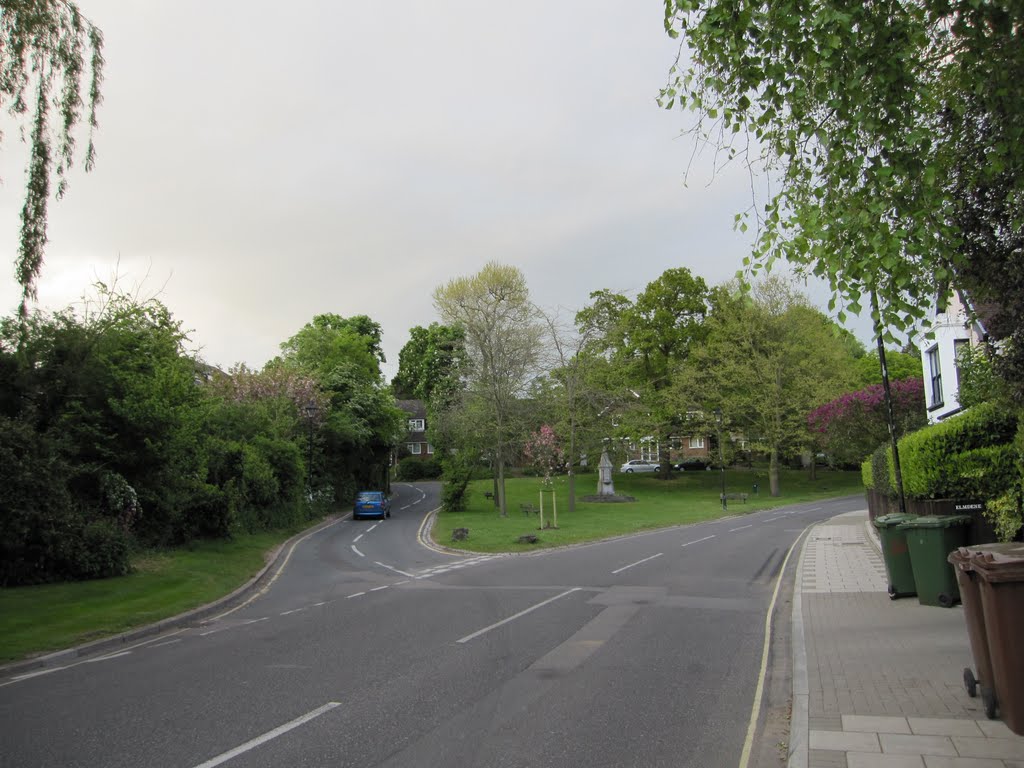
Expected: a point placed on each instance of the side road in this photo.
(276, 561)
(879, 683)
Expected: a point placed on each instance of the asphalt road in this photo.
(369, 649)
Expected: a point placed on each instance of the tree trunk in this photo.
(500, 476)
(572, 474)
(814, 466)
(890, 420)
(773, 472)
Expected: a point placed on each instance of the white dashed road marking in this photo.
(280, 730)
(638, 562)
(698, 541)
(541, 604)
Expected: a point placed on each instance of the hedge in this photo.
(968, 455)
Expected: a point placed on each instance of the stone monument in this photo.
(605, 486)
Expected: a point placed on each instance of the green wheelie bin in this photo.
(895, 554)
(930, 539)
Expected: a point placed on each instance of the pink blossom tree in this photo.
(544, 452)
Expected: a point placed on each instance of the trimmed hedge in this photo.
(969, 455)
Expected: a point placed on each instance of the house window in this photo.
(416, 425)
(959, 346)
(430, 448)
(414, 448)
(935, 374)
(696, 442)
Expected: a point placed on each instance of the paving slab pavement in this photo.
(878, 683)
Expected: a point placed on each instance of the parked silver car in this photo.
(639, 465)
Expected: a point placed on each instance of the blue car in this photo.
(371, 504)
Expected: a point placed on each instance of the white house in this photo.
(952, 328)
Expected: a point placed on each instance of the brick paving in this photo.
(880, 681)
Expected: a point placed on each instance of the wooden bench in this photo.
(489, 495)
(733, 496)
(529, 509)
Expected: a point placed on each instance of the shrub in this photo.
(882, 474)
(206, 512)
(411, 469)
(103, 552)
(866, 474)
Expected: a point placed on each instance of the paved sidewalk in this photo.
(878, 683)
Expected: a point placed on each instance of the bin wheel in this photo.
(892, 592)
(970, 682)
(946, 601)
(988, 698)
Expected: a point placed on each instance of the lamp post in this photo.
(309, 410)
(721, 453)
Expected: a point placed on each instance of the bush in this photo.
(967, 455)
(103, 552)
(206, 512)
(866, 474)
(411, 469)
(882, 474)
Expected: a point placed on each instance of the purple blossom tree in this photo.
(853, 425)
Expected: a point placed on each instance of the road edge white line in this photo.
(755, 710)
(269, 584)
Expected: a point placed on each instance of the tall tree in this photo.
(502, 335)
(767, 361)
(362, 423)
(432, 361)
(650, 339)
(575, 404)
(44, 45)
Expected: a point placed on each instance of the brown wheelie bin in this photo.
(970, 597)
(1000, 580)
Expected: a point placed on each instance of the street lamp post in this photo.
(310, 410)
(721, 453)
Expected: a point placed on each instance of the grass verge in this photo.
(48, 617)
(688, 497)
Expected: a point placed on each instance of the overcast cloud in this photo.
(260, 163)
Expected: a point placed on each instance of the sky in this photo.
(261, 163)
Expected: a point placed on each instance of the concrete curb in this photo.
(193, 616)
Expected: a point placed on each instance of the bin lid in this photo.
(963, 556)
(892, 520)
(995, 562)
(937, 521)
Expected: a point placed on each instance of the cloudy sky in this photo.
(260, 163)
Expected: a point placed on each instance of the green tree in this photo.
(361, 424)
(650, 339)
(767, 361)
(880, 123)
(901, 365)
(502, 335)
(432, 361)
(46, 47)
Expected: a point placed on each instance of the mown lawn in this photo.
(688, 497)
(48, 617)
